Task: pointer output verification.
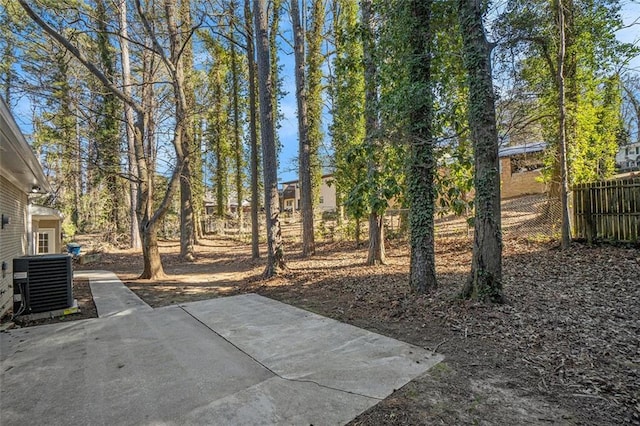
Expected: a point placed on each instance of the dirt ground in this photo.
(86, 307)
(564, 349)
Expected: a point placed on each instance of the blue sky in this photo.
(631, 34)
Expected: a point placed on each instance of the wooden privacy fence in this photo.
(608, 210)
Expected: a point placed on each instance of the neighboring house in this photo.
(326, 202)
(20, 175)
(628, 157)
(521, 170)
(210, 204)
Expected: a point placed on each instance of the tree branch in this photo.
(80, 56)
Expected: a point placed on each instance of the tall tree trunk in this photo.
(275, 249)
(197, 174)
(274, 11)
(304, 155)
(253, 131)
(219, 139)
(238, 152)
(376, 253)
(421, 188)
(183, 125)
(134, 233)
(191, 141)
(633, 97)
(187, 226)
(77, 180)
(9, 58)
(152, 265)
(150, 108)
(315, 132)
(570, 73)
(485, 281)
(174, 67)
(348, 102)
(146, 155)
(108, 134)
(562, 129)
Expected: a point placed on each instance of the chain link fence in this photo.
(531, 216)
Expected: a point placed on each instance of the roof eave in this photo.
(27, 171)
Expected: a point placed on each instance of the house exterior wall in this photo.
(327, 201)
(13, 238)
(519, 183)
(628, 156)
(291, 199)
(327, 196)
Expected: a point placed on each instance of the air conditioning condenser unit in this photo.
(42, 283)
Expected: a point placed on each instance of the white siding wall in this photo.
(13, 238)
(327, 195)
(628, 156)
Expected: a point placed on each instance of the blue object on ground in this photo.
(73, 248)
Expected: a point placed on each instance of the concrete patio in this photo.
(241, 360)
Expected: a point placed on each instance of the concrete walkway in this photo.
(110, 295)
(241, 360)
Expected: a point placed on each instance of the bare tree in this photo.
(148, 217)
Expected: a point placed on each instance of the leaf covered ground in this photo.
(564, 349)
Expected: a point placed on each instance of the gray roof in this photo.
(45, 212)
(508, 151)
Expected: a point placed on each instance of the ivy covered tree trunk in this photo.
(275, 10)
(275, 249)
(348, 126)
(376, 255)
(183, 130)
(108, 134)
(197, 174)
(218, 126)
(315, 132)
(238, 151)
(485, 281)
(421, 190)
(190, 140)
(253, 133)
(187, 224)
(134, 233)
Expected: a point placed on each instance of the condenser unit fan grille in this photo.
(48, 285)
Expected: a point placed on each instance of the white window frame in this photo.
(50, 240)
